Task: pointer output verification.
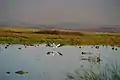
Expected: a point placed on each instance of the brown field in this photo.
(31, 35)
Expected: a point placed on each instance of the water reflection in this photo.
(54, 52)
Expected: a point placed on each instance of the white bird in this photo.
(53, 45)
(93, 59)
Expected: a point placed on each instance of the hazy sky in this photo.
(56, 11)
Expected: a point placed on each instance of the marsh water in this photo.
(41, 66)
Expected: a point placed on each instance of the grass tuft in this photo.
(109, 72)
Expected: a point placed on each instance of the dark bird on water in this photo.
(86, 53)
(48, 45)
(6, 47)
(8, 72)
(97, 47)
(20, 48)
(60, 53)
(112, 48)
(9, 43)
(31, 45)
(116, 49)
(83, 53)
(21, 72)
(98, 59)
(48, 53)
(53, 53)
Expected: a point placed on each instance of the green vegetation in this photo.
(109, 72)
(32, 36)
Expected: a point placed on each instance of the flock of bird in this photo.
(94, 58)
(54, 46)
(20, 72)
(90, 58)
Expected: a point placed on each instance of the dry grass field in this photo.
(32, 36)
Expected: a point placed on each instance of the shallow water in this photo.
(46, 67)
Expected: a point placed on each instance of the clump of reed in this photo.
(108, 72)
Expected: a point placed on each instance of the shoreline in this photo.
(26, 36)
(11, 40)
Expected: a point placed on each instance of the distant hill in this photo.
(69, 26)
(89, 27)
(109, 29)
